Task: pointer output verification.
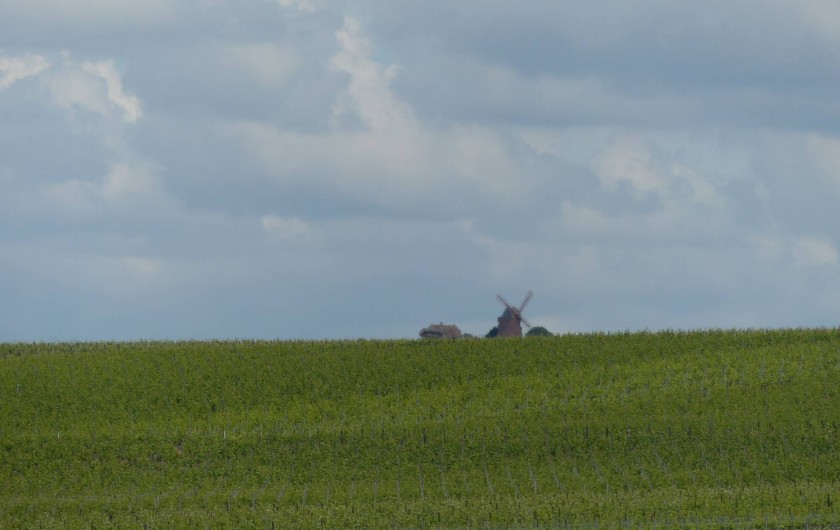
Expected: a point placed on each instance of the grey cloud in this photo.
(637, 165)
(635, 39)
(659, 63)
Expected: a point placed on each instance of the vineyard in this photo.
(683, 429)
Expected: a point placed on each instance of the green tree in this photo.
(538, 331)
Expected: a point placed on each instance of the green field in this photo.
(706, 429)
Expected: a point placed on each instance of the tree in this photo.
(538, 331)
(492, 333)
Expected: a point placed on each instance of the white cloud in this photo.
(629, 159)
(687, 189)
(808, 252)
(676, 223)
(437, 155)
(124, 182)
(421, 169)
(823, 152)
(140, 266)
(127, 103)
(14, 69)
(287, 228)
(307, 6)
(801, 251)
(378, 150)
(822, 15)
(71, 88)
(266, 62)
(577, 144)
(89, 13)
(368, 96)
(701, 189)
(122, 187)
(118, 275)
(585, 219)
(631, 168)
(768, 247)
(94, 86)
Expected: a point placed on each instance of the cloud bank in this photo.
(298, 168)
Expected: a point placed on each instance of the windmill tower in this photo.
(510, 323)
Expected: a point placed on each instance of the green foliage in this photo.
(717, 428)
(538, 331)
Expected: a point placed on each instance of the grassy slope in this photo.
(738, 427)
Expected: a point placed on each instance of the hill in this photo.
(729, 428)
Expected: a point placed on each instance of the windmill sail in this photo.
(510, 323)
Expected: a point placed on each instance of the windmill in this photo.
(510, 323)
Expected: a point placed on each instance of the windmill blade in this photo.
(526, 300)
(502, 300)
(525, 321)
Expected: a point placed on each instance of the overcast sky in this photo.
(193, 169)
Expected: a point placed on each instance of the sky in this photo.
(325, 169)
